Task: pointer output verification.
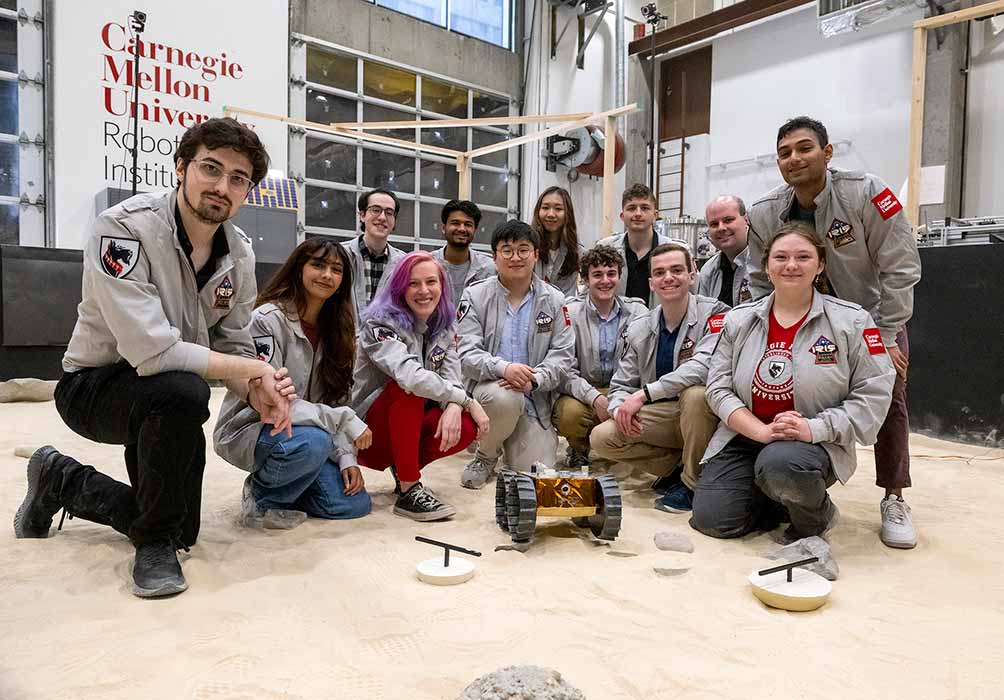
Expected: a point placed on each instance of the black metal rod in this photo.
(787, 567)
(137, 28)
(446, 549)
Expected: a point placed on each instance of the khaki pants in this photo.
(520, 437)
(574, 421)
(668, 428)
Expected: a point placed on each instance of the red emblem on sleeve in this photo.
(886, 203)
(873, 339)
(568, 318)
(716, 323)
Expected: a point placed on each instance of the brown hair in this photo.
(569, 236)
(224, 132)
(335, 323)
(673, 248)
(601, 256)
(638, 191)
(798, 228)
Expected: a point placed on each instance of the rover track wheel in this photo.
(502, 486)
(606, 524)
(521, 508)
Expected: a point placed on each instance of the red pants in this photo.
(403, 433)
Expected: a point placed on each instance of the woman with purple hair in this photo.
(408, 386)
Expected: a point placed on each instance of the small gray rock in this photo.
(673, 542)
(810, 547)
(521, 683)
(669, 572)
(514, 547)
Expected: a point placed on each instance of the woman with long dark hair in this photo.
(408, 384)
(303, 319)
(554, 222)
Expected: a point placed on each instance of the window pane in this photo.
(8, 107)
(430, 10)
(448, 137)
(391, 84)
(331, 208)
(482, 19)
(325, 109)
(490, 187)
(335, 162)
(388, 170)
(440, 180)
(499, 159)
(8, 224)
(444, 98)
(490, 105)
(489, 221)
(405, 224)
(374, 113)
(8, 45)
(331, 69)
(431, 222)
(8, 4)
(8, 169)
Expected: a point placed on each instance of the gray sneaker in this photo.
(575, 459)
(897, 525)
(270, 518)
(477, 473)
(156, 571)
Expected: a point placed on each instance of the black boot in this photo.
(156, 571)
(34, 517)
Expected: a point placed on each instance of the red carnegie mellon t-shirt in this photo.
(772, 384)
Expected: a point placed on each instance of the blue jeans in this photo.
(296, 473)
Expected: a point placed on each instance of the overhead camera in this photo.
(651, 13)
(137, 20)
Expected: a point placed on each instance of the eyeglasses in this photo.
(522, 252)
(211, 172)
(377, 211)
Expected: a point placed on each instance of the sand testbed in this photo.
(333, 609)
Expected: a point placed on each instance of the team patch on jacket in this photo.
(462, 310)
(841, 233)
(686, 350)
(873, 340)
(544, 322)
(568, 317)
(119, 255)
(264, 347)
(716, 323)
(223, 294)
(825, 351)
(745, 294)
(382, 333)
(886, 203)
(437, 356)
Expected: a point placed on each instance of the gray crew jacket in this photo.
(481, 316)
(140, 299)
(619, 241)
(842, 376)
(585, 375)
(279, 340)
(427, 367)
(871, 252)
(549, 273)
(359, 298)
(482, 267)
(709, 282)
(695, 343)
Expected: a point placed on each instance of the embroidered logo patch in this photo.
(119, 255)
(841, 233)
(462, 309)
(264, 347)
(716, 323)
(382, 333)
(436, 357)
(686, 350)
(873, 340)
(544, 322)
(886, 203)
(223, 294)
(825, 351)
(568, 317)
(745, 294)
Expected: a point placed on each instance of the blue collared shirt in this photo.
(515, 344)
(665, 362)
(606, 340)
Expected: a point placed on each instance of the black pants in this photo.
(159, 421)
(748, 485)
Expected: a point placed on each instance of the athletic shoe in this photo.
(678, 499)
(421, 504)
(34, 516)
(789, 535)
(254, 517)
(477, 473)
(575, 459)
(897, 525)
(667, 482)
(156, 571)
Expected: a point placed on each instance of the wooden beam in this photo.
(971, 13)
(609, 162)
(559, 129)
(464, 174)
(477, 121)
(916, 125)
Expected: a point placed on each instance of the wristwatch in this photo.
(648, 396)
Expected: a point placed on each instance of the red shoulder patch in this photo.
(716, 323)
(873, 340)
(886, 203)
(568, 317)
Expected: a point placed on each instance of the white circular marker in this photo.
(806, 590)
(432, 571)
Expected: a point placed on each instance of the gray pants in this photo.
(521, 437)
(745, 486)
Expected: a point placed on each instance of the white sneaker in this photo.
(477, 473)
(897, 525)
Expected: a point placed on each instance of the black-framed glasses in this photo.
(211, 172)
(523, 252)
(377, 211)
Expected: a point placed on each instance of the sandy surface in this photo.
(333, 609)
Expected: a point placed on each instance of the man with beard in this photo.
(463, 265)
(725, 275)
(168, 287)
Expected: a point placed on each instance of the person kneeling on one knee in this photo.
(408, 383)
(304, 319)
(657, 392)
(798, 378)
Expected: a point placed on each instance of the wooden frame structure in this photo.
(358, 130)
(920, 29)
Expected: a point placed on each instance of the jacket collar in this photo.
(762, 310)
(655, 322)
(238, 246)
(821, 199)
